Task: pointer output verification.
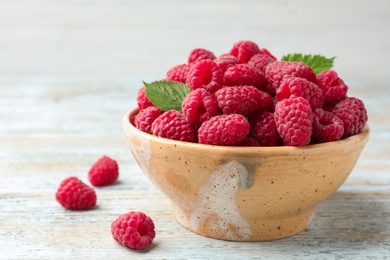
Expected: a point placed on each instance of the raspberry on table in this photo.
(353, 114)
(243, 100)
(134, 230)
(299, 87)
(276, 71)
(199, 106)
(104, 171)
(200, 54)
(178, 73)
(243, 74)
(260, 61)
(74, 194)
(332, 86)
(145, 118)
(244, 50)
(142, 100)
(205, 74)
(173, 125)
(224, 130)
(263, 129)
(326, 127)
(294, 119)
(226, 61)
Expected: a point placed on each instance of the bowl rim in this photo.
(130, 115)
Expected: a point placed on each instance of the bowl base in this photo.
(266, 229)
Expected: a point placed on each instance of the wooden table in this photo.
(64, 90)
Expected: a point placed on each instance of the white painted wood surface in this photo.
(69, 70)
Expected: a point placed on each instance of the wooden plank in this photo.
(73, 122)
(347, 225)
(115, 38)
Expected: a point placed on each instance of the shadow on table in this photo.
(350, 217)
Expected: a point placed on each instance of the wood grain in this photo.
(346, 225)
(118, 38)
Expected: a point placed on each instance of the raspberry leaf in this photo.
(166, 95)
(317, 62)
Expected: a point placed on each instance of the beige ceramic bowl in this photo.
(243, 193)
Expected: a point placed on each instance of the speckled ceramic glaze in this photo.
(243, 193)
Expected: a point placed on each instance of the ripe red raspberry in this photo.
(199, 106)
(243, 100)
(145, 118)
(244, 50)
(142, 100)
(134, 230)
(243, 74)
(294, 118)
(179, 73)
(267, 52)
(263, 129)
(103, 172)
(299, 87)
(224, 130)
(249, 141)
(200, 54)
(74, 194)
(353, 114)
(326, 127)
(260, 61)
(226, 61)
(205, 74)
(332, 86)
(172, 125)
(276, 71)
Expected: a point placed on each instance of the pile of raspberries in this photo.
(247, 97)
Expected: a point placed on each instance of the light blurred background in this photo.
(118, 39)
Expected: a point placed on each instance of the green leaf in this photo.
(317, 62)
(166, 95)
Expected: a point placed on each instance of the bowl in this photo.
(243, 193)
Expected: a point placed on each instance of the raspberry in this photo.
(243, 100)
(73, 194)
(249, 141)
(332, 86)
(276, 71)
(199, 106)
(145, 118)
(172, 125)
(103, 172)
(205, 74)
(142, 100)
(200, 54)
(178, 73)
(134, 230)
(225, 61)
(243, 74)
(293, 118)
(224, 130)
(263, 129)
(260, 61)
(244, 50)
(300, 87)
(353, 114)
(267, 52)
(326, 127)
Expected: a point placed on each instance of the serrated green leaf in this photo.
(317, 62)
(166, 95)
